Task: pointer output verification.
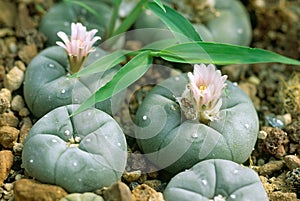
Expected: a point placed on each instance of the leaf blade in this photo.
(129, 73)
(176, 22)
(223, 54)
(102, 64)
(160, 4)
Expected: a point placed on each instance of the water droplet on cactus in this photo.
(247, 126)
(195, 136)
(177, 78)
(66, 23)
(75, 164)
(239, 30)
(235, 171)
(145, 117)
(204, 182)
(63, 93)
(67, 132)
(54, 140)
(233, 196)
(89, 113)
(88, 140)
(51, 65)
(105, 137)
(119, 144)
(31, 161)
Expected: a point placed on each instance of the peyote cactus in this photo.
(80, 153)
(216, 21)
(47, 84)
(216, 179)
(174, 142)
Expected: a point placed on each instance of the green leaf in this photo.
(161, 44)
(218, 53)
(176, 22)
(159, 3)
(102, 64)
(127, 75)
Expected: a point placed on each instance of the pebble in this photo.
(9, 119)
(132, 176)
(271, 167)
(8, 136)
(5, 98)
(14, 79)
(282, 196)
(24, 112)
(118, 192)
(7, 15)
(144, 192)
(27, 53)
(292, 161)
(26, 125)
(17, 103)
(6, 162)
(84, 196)
(30, 190)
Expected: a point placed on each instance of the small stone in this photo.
(271, 167)
(118, 192)
(282, 196)
(8, 136)
(84, 196)
(132, 176)
(292, 161)
(17, 103)
(7, 15)
(24, 112)
(9, 119)
(14, 79)
(5, 98)
(27, 53)
(20, 64)
(29, 190)
(26, 125)
(6, 162)
(145, 193)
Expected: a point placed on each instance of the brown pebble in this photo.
(17, 103)
(27, 52)
(6, 162)
(282, 196)
(9, 119)
(26, 125)
(145, 193)
(7, 15)
(292, 161)
(5, 98)
(118, 192)
(24, 112)
(132, 176)
(8, 136)
(14, 79)
(271, 167)
(30, 190)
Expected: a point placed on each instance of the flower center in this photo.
(202, 88)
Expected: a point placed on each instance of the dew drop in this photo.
(75, 164)
(195, 136)
(233, 196)
(247, 126)
(63, 94)
(88, 140)
(145, 117)
(51, 65)
(119, 144)
(67, 132)
(54, 140)
(89, 113)
(204, 182)
(176, 78)
(240, 31)
(235, 171)
(31, 161)
(63, 91)
(105, 136)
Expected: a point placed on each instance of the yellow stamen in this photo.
(202, 88)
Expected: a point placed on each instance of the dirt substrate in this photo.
(274, 89)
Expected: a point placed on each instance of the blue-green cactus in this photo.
(61, 15)
(80, 153)
(216, 178)
(229, 24)
(174, 143)
(47, 84)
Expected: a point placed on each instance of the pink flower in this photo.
(79, 45)
(202, 98)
